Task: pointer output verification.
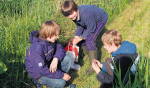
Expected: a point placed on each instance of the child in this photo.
(123, 53)
(46, 61)
(90, 20)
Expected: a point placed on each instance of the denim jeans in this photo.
(56, 83)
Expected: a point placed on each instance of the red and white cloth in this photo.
(74, 49)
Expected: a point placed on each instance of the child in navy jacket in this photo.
(90, 20)
(46, 60)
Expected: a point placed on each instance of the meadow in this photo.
(19, 17)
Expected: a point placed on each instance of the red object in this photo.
(72, 48)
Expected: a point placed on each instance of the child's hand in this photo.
(96, 66)
(53, 65)
(66, 77)
(97, 62)
(76, 40)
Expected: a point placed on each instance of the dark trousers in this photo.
(90, 43)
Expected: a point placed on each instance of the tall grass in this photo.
(138, 82)
(19, 17)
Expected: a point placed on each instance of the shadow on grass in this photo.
(99, 43)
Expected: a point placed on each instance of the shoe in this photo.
(75, 67)
(69, 85)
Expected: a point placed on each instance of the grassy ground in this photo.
(19, 17)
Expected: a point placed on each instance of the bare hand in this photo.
(96, 65)
(53, 66)
(66, 77)
(76, 40)
(97, 62)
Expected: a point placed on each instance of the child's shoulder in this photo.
(127, 43)
(125, 48)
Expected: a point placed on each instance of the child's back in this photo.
(126, 47)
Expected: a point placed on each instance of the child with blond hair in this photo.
(123, 53)
(46, 60)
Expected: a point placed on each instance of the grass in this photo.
(19, 17)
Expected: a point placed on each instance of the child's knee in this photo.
(60, 84)
(68, 57)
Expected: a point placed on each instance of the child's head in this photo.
(50, 31)
(69, 9)
(111, 40)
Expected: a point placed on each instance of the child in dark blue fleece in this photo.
(120, 50)
(90, 20)
(46, 60)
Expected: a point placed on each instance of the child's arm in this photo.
(76, 40)
(101, 75)
(58, 56)
(53, 65)
(91, 24)
(37, 56)
(60, 52)
(96, 65)
(79, 31)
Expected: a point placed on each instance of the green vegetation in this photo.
(19, 17)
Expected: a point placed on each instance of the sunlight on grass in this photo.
(19, 17)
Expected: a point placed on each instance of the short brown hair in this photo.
(112, 36)
(49, 29)
(68, 7)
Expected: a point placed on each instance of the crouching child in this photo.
(46, 61)
(124, 54)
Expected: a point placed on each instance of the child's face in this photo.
(110, 48)
(53, 38)
(73, 16)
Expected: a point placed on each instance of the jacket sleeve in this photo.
(79, 30)
(90, 23)
(38, 56)
(106, 73)
(104, 77)
(60, 52)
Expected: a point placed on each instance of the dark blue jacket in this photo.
(40, 55)
(89, 17)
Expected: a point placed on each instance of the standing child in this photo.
(46, 61)
(90, 20)
(123, 54)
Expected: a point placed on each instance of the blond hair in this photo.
(112, 37)
(49, 29)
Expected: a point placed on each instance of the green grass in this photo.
(19, 17)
